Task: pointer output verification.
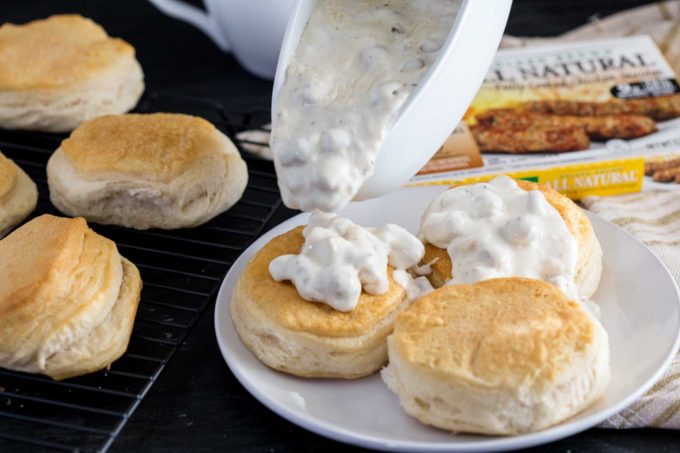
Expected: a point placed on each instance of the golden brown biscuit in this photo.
(8, 175)
(502, 356)
(57, 72)
(589, 261)
(142, 171)
(18, 195)
(67, 299)
(310, 339)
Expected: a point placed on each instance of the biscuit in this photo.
(18, 195)
(310, 339)
(589, 260)
(57, 72)
(67, 299)
(502, 356)
(145, 171)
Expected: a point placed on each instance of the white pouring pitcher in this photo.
(250, 29)
(438, 103)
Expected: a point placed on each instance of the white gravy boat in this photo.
(438, 103)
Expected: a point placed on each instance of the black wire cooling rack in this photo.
(182, 271)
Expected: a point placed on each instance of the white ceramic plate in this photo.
(640, 310)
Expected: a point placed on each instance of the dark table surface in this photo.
(197, 404)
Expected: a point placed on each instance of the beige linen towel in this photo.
(654, 218)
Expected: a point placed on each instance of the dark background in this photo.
(197, 404)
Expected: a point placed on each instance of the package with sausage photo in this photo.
(580, 116)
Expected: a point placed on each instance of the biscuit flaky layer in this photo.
(502, 356)
(144, 171)
(589, 260)
(67, 298)
(305, 338)
(18, 195)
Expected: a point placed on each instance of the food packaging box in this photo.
(583, 117)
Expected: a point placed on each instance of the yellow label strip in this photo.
(603, 178)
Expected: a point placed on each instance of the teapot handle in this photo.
(194, 16)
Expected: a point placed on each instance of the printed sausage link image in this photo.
(531, 140)
(597, 127)
(660, 108)
(653, 167)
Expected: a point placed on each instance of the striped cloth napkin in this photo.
(654, 218)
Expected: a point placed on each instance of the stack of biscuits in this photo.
(68, 299)
(503, 356)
